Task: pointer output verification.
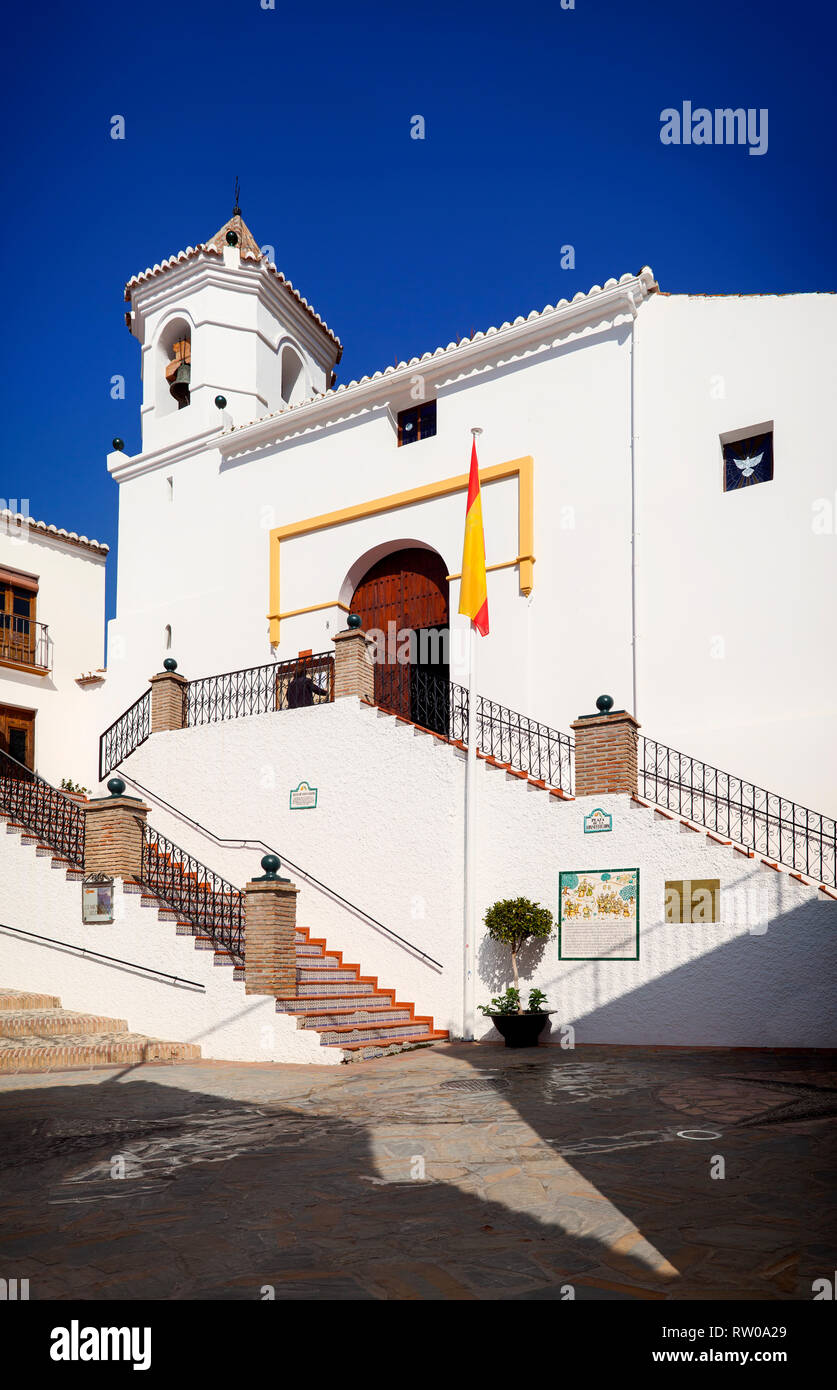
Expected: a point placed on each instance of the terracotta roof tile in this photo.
(250, 251)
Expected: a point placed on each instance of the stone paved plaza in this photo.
(454, 1172)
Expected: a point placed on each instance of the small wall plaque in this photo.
(97, 898)
(597, 821)
(693, 900)
(303, 798)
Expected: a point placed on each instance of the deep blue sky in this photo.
(542, 128)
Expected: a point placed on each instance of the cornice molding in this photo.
(123, 467)
(618, 302)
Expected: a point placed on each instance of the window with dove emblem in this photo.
(748, 460)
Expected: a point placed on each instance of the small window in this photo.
(419, 422)
(693, 900)
(747, 460)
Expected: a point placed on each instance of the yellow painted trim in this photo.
(311, 608)
(503, 565)
(522, 469)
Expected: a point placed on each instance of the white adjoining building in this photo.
(52, 615)
(658, 476)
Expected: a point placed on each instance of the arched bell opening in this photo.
(403, 603)
(174, 358)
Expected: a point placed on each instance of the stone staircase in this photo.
(37, 1035)
(349, 1010)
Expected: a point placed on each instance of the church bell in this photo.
(178, 373)
(179, 388)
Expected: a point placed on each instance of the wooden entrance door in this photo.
(407, 592)
(17, 734)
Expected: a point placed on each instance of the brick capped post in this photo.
(113, 833)
(605, 750)
(168, 692)
(269, 932)
(354, 673)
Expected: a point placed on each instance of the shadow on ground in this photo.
(460, 1172)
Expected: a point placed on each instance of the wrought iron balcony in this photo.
(24, 643)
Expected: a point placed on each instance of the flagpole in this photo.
(470, 903)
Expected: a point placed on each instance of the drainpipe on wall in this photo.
(633, 514)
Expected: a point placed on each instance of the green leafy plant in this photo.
(513, 922)
(68, 785)
(508, 1003)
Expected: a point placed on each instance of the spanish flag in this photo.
(473, 591)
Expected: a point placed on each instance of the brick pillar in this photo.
(605, 751)
(113, 829)
(269, 941)
(354, 673)
(167, 701)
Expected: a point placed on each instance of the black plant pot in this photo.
(520, 1030)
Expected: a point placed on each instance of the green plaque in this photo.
(303, 797)
(598, 914)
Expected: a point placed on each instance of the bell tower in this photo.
(219, 320)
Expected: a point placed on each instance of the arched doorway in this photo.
(404, 598)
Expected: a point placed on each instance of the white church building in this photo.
(286, 673)
(658, 491)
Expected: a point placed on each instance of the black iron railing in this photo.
(86, 952)
(279, 685)
(56, 819)
(442, 706)
(756, 819)
(125, 734)
(24, 642)
(543, 752)
(197, 893)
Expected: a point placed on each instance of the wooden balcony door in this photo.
(17, 734)
(17, 622)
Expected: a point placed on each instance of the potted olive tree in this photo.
(512, 922)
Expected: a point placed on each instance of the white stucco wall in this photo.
(736, 591)
(387, 833)
(224, 1021)
(71, 602)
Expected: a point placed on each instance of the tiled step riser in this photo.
(59, 1057)
(23, 1025)
(305, 976)
(17, 1002)
(332, 1002)
(358, 1019)
(350, 987)
(331, 1038)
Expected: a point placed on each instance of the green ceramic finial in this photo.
(270, 864)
